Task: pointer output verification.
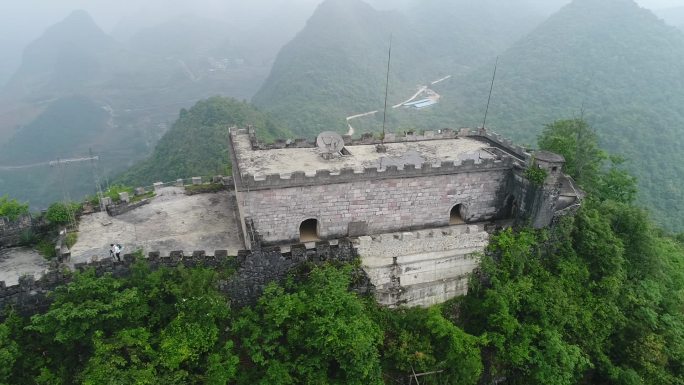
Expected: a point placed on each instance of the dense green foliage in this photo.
(11, 208)
(60, 213)
(616, 64)
(197, 144)
(596, 172)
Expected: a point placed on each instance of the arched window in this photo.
(308, 231)
(457, 215)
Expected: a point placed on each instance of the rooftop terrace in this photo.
(308, 159)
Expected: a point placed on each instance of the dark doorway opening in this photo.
(510, 209)
(457, 215)
(308, 231)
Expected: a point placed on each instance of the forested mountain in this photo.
(197, 144)
(70, 55)
(612, 61)
(336, 66)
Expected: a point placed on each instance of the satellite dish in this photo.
(330, 142)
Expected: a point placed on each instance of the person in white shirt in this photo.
(115, 251)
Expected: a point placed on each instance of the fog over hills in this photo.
(138, 84)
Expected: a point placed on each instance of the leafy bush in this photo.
(114, 190)
(204, 188)
(11, 208)
(61, 213)
(536, 175)
(46, 248)
(71, 239)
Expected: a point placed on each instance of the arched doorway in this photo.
(510, 208)
(308, 231)
(457, 215)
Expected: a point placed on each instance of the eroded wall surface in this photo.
(422, 268)
(375, 206)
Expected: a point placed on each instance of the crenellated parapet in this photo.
(346, 175)
(253, 271)
(407, 136)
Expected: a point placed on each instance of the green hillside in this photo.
(197, 143)
(336, 67)
(614, 60)
(68, 128)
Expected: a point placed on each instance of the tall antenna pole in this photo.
(98, 187)
(384, 115)
(484, 122)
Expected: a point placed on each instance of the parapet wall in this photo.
(12, 232)
(422, 268)
(346, 175)
(409, 136)
(508, 156)
(254, 270)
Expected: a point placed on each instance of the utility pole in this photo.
(60, 163)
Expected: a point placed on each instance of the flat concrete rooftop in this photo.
(308, 160)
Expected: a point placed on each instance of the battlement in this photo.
(296, 163)
(369, 139)
(254, 270)
(300, 178)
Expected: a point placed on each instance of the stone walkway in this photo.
(20, 261)
(172, 221)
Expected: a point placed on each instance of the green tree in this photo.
(11, 208)
(61, 213)
(314, 333)
(578, 143)
(9, 353)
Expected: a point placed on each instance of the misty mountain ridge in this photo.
(672, 16)
(138, 90)
(336, 66)
(69, 55)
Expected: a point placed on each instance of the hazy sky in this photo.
(22, 21)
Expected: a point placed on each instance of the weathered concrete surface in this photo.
(171, 221)
(422, 268)
(309, 160)
(20, 261)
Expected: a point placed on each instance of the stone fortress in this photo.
(417, 208)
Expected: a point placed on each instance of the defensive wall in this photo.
(253, 271)
(14, 233)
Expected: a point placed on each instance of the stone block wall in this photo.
(253, 271)
(422, 268)
(384, 205)
(12, 232)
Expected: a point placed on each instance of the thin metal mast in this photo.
(491, 88)
(96, 176)
(384, 114)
